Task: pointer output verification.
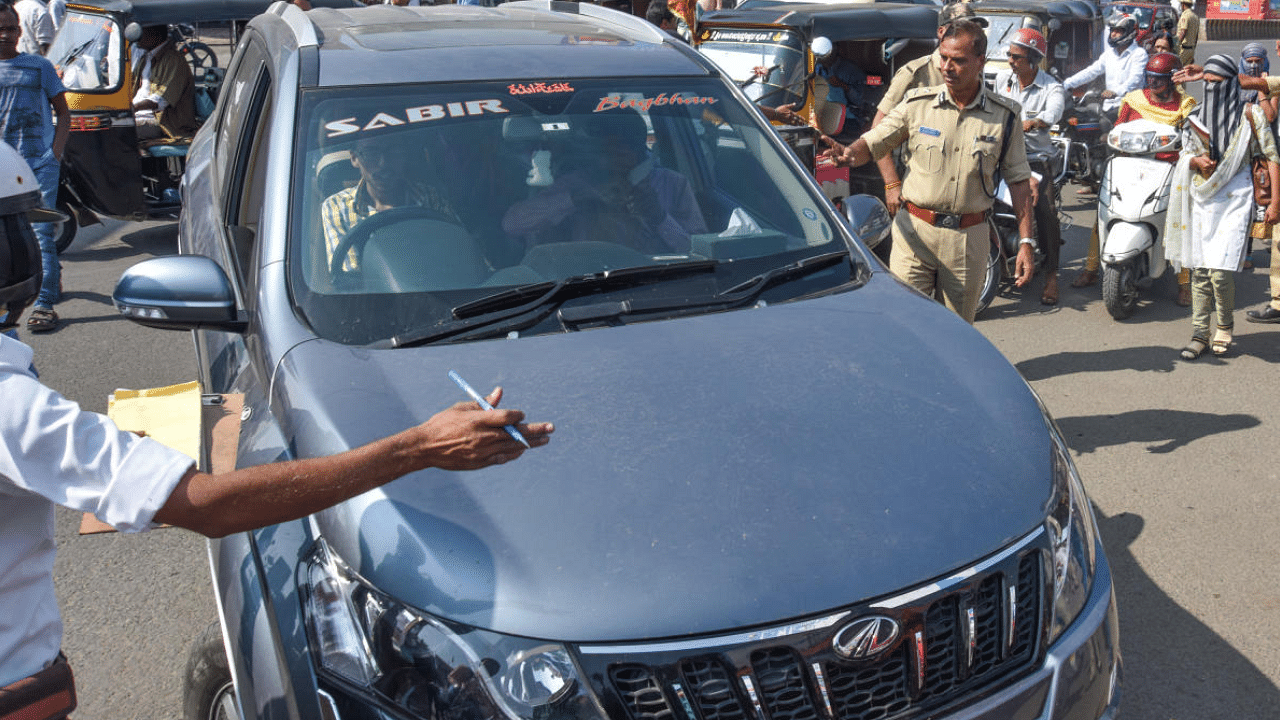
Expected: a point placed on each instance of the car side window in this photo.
(243, 158)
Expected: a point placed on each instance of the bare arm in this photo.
(1020, 193)
(63, 128)
(463, 437)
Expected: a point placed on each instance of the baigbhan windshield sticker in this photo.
(421, 113)
(618, 102)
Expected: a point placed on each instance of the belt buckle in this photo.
(946, 220)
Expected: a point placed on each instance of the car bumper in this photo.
(1081, 675)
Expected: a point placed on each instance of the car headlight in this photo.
(1073, 533)
(403, 660)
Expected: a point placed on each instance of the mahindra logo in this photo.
(866, 637)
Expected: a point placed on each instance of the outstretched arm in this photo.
(463, 437)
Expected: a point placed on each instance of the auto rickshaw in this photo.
(104, 171)
(1074, 29)
(774, 51)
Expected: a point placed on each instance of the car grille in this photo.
(975, 631)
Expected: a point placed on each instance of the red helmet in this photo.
(1163, 64)
(1031, 39)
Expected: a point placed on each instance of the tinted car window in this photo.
(416, 201)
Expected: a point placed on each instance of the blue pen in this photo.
(511, 429)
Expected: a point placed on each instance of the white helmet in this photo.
(20, 264)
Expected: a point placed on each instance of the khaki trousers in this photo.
(1275, 272)
(947, 265)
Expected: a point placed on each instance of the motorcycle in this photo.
(1081, 141)
(1132, 200)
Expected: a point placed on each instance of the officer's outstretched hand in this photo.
(1025, 266)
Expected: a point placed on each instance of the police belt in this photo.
(951, 221)
(47, 695)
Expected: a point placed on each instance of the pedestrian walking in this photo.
(29, 85)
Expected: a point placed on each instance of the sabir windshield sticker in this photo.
(539, 88)
(617, 102)
(421, 113)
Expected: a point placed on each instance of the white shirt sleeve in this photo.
(79, 459)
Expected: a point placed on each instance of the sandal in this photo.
(1194, 348)
(1221, 341)
(42, 320)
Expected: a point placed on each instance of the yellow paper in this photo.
(170, 415)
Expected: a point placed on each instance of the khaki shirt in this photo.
(951, 152)
(1190, 22)
(918, 73)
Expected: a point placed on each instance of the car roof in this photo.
(536, 39)
(165, 12)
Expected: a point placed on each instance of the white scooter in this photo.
(1132, 200)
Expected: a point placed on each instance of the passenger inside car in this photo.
(611, 187)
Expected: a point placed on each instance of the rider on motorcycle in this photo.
(1042, 99)
(1120, 65)
(1159, 101)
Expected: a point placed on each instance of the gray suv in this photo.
(783, 487)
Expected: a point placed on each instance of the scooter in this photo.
(1132, 200)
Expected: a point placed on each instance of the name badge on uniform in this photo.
(930, 131)
(986, 138)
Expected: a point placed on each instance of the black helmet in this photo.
(1128, 27)
(20, 265)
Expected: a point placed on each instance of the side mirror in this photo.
(178, 292)
(1054, 25)
(868, 218)
(132, 32)
(821, 47)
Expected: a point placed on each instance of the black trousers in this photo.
(1048, 229)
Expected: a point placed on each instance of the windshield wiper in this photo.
(740, 294)
(519, 301)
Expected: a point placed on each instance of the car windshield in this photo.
(768, 64)
(87, 53)
(420, 205)
(1001, 29)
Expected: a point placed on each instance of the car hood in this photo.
(706, 473)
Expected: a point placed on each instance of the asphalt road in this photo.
(1177, 456)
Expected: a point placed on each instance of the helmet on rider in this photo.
(1122, 30)
(20, 264)
(1162, 66)
(1032, 40)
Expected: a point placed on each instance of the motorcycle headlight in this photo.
(412, 664)
(1073, 533)
(1131, 142)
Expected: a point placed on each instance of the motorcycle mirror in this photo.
(1054, 25)
(132, 32)
(821, 47)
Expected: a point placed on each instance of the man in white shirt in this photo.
(52, 452)
(37, 26)
(1120, 66)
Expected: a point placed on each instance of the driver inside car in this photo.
(611, 189)
(387, 180)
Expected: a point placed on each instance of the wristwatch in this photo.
(1027, 241)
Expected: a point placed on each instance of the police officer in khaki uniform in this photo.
(955, 135)
(1188, 33)
(918, 73)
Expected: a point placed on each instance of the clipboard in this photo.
(219, 443)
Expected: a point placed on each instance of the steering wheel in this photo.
(359, 235)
